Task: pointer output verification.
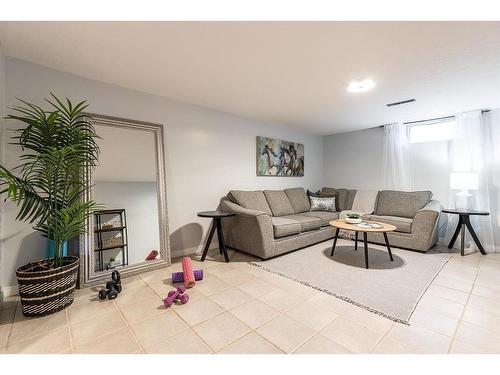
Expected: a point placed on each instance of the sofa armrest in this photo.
(433, 205)
(425, 224)
(238, 210)
(250, 230)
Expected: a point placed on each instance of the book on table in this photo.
(366, 225)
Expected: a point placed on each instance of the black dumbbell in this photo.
(103, 294)
(112, 289)
(115, 276)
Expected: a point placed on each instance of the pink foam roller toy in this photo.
(178, 277)
(187, 269)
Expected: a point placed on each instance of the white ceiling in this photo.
(292, 73)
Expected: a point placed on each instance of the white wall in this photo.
(355, 160)
(139, 200)
(207, 153)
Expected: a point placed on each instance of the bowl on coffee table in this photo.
(353, 218)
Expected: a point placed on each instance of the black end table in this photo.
(464, 221)
(216, 217)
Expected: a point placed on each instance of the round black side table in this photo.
(216, 217)
(464, 221)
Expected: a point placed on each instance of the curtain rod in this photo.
(435, 119)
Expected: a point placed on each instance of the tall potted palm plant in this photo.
(48, 187)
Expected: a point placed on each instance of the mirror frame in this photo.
(87, 275)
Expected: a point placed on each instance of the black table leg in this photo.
(209, 240)
(474, 236)
(356, 242)
(366, 249)
(462, 235)
(388, 246)
(335, 241)
(220, 236)
(457, 231)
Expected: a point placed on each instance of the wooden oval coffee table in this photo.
(341, 224)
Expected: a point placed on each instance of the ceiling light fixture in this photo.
(361, 86)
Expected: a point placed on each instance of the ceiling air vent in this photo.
(401, 102)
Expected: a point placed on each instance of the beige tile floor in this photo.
(239, 308)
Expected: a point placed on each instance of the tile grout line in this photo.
(245, 335)
(11, 328)
(383, 337)
(316, 334)
(70, 332)
(224, 310)
(283, 313)
(185, 322)
(453, 339)
(127, 324)
(229, 311)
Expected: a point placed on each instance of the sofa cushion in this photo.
(285, 227)
(403, 224)
(323, 204)
(339, 194)
(279, 202)
(401, 203)
(325, 216)
(307, 223)
(253, 200)
(299, 199)
(349, 199)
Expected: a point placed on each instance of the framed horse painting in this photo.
(276, 157)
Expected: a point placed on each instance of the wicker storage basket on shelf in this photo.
(113, 241)
(46, 292)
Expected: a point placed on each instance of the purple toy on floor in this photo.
(177, 295)
(178, 277)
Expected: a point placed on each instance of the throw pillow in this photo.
(313, 194)
(322, 204)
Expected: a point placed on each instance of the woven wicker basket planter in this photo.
(46, 292)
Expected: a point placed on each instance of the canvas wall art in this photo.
(276, 157)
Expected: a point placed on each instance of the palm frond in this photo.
(47, 185)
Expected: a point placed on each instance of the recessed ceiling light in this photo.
(360, 86)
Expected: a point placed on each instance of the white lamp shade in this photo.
(464, 181)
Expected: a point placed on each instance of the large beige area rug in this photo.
(390, 289)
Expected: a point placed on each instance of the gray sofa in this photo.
(273, 222)
(415, 214)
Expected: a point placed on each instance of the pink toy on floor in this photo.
(187, 269)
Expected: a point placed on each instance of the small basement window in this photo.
(432, 131)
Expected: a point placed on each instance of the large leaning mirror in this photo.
(129, 232)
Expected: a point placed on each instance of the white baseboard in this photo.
(8, 291)
(190, 250)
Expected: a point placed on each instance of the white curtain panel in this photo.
(471, 151)
(397, 173)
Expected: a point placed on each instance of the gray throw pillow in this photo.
(322, 204)
(313, 193)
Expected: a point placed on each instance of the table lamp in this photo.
(463, 181)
